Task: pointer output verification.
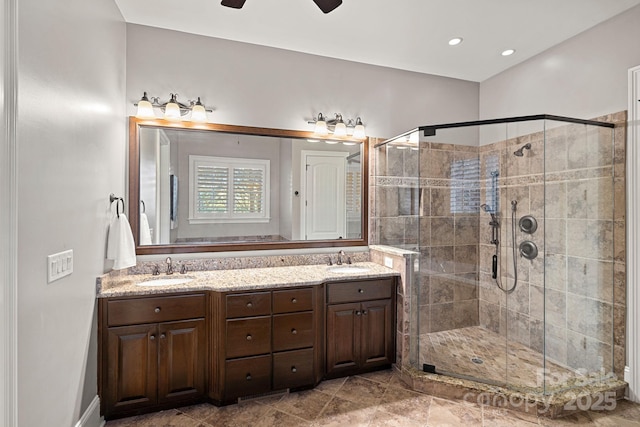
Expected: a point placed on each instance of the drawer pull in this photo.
(249, 337)
(249, 304)
(157, 310)
(293, 369)
(361, 291)
(248, 377)
(294, 331)
(294, 301)
(152, 337)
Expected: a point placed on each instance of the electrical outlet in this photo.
(388, 262)
(59, 265)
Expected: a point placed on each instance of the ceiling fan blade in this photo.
(236, 4)
(327, 5)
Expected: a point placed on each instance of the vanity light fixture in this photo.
(338, 127)
(172, 110)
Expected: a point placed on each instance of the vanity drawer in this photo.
(360, 290)
(155, 309)
(248, 376)
(292, 300)
(293, 369)
(248, 304)
(291, 331)
(248, 337)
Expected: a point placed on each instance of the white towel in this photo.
(145, 231)
(120, 245)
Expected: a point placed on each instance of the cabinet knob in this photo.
(248, 377)
(293, 369)
(358, 313)
(249, 337)
(294, 331)
(364, 312)
(152, 337)
(294, 301)
(162, 336)
(249, 304)
(361, 291)
(157, 310)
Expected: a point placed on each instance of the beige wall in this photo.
(585, 76)
(266, 87)
(71, 154)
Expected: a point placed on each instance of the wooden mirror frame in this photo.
(134, 189)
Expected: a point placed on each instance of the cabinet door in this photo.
(343, 337)
(377, 347)
(131, 367)
(182, 357)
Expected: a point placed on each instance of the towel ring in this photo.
(112, 199)
(144, 207)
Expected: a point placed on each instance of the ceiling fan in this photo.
(325, 5)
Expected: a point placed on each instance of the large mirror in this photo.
(210, 187)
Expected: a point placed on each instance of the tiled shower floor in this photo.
(513, 365)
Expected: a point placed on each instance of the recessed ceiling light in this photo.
(455, 41)
(508, 52)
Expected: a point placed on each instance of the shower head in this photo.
(489, 210)
(520, 151)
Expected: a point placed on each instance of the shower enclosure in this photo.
(512, 221)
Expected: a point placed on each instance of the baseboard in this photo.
(91, 417)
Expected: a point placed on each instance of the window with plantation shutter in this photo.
(225, 189)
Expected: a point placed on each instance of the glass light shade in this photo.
(172, 111)
(321, 128)
(145, 110)
(331, 142)
(341, 129)
(198, 114)
(358, 132)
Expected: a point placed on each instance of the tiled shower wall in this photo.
(585, 245)
(578, 280)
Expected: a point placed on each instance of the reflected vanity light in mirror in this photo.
(213, 187)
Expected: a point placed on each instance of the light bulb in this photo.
(358, 131)
(198, 113)
(145, 109)
(341, 128)
(172, 109)
(321, 126)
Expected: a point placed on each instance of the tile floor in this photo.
(372, 400)
(503, 363)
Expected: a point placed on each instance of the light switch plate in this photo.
(388, 262)
(59, 265)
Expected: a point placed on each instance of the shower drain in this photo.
(477, 360)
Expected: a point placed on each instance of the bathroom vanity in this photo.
(236, 334)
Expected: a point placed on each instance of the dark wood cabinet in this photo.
(164, 351)
(269, 341)
(360, 328)
(151, 366)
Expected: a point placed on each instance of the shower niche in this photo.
(512, 223)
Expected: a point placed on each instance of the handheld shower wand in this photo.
(495, 230)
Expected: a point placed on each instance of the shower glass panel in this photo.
(514, 222)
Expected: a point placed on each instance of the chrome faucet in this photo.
(169, 265)
(340, 255)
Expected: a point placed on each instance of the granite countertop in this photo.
(231, 280)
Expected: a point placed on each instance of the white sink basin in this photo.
(348, 269)
(166, 282)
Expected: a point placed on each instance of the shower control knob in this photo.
(528, 249)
